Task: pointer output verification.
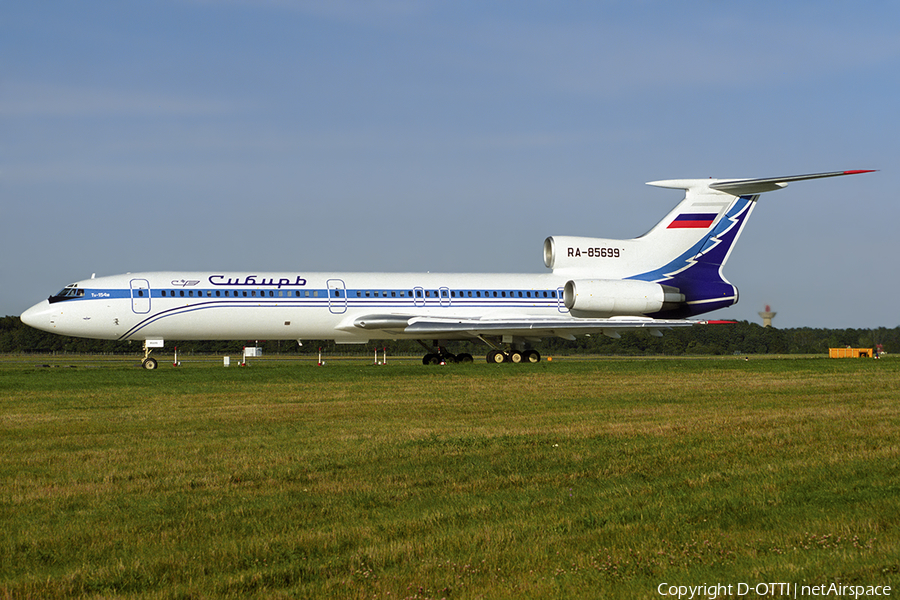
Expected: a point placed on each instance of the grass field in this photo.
(566, 479)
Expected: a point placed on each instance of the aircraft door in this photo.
(140, 296)
(337, 296)
(560, 302)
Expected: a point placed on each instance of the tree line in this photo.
(741, 337)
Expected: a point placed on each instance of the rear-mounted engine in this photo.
(609, 297)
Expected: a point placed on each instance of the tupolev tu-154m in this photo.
(660, 280)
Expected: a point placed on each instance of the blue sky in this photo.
(445, 136)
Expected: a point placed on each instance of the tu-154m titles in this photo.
(654, 282)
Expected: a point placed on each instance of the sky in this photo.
(286, 135)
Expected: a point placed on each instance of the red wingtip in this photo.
(860, 171)
(721, 322)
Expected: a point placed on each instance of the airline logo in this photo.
(693, 221)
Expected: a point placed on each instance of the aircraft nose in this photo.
(37, 316)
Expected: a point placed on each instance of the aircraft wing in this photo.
(530, 327)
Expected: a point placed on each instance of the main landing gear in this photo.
(439, 355)
(442, 356)
(497, 356)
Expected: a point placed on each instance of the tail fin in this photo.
(699, 234)
(716, 210)
(686, 250)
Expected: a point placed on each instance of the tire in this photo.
(149, 364)
(516, 356)
(431, 359)
(532, 356)
(465, 358)
(496, 357)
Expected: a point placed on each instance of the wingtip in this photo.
(858, 171)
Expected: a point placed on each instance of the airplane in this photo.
(654, 282)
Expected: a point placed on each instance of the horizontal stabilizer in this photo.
(745, 187)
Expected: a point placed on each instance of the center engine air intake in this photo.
(612, 297)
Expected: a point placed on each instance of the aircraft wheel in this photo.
(496, 357)
(532, 356)
(516, 357)
(464, 358)
(431, 359)
(149, 364)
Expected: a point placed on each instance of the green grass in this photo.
(584, 479)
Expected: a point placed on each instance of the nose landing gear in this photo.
(150, 363)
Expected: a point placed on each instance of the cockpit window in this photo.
(67, 293)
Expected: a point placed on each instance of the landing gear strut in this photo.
(148, 363)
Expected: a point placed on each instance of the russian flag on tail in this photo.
(693, 221)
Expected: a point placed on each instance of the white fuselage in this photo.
(297, 306)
